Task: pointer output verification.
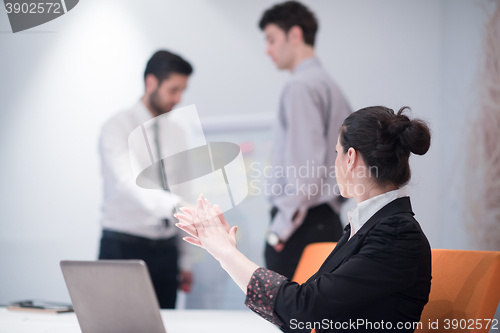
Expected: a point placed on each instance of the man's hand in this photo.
(298, 215)
(279, 247)
(185, 281)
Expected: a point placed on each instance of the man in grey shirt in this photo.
(302, 187)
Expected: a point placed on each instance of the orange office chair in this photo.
(311, 260)
(465, 286)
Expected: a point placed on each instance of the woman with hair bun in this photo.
(378, 277)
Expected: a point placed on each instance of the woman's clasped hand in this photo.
(208, 228)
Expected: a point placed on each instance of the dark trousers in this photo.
(321, 224)
(160, 257)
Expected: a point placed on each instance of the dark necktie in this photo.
(161, 168)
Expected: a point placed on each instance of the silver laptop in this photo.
(113, 296)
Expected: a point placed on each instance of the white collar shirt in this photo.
(359, 215)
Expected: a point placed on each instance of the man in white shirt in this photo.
(138, 223)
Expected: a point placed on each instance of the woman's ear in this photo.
(351, 159)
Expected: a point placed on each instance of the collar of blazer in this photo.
(347, 247)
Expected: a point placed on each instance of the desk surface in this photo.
(175, 321)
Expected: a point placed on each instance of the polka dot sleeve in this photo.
(261, 293)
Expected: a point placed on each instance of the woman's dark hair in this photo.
(288, 14)
(163, 63)
(385, 140)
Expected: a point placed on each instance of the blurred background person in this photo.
(305, 204)
(138, 223)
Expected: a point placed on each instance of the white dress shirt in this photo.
(366, 209)
(126, 207)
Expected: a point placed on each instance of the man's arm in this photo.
(186, 254)
(305, 149)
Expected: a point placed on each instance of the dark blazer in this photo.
(383, 273)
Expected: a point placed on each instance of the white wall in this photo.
(60, 81)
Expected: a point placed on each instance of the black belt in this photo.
(131, 239)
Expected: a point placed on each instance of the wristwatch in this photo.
(272, 239)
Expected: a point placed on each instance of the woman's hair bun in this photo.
(385, 140)
(413, 134)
